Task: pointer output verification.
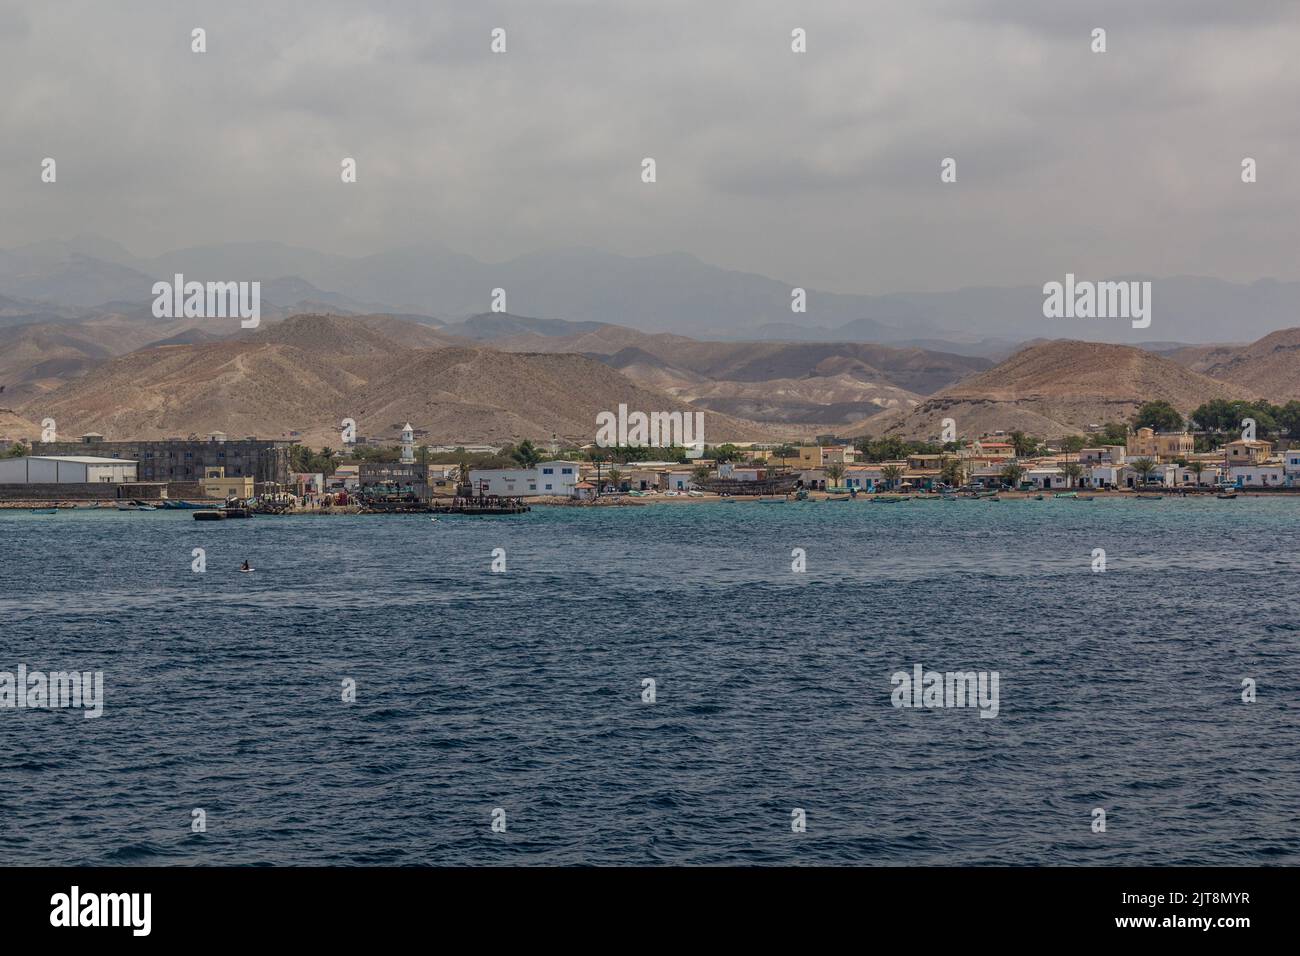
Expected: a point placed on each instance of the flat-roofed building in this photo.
(66, 470)
(1163, 446)
(185, 459)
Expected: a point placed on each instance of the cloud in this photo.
(820, 168)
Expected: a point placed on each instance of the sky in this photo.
(820, 169)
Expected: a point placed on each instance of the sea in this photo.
(659, 685)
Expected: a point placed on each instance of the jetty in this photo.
(481, 505)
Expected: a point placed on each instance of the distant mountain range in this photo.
(306, 374)
(674, 292)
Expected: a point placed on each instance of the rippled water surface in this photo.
(522, 690)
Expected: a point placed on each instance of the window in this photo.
(548, 471)
(548, 487)
(566, 471)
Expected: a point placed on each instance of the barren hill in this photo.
(1057, 388)
(308, 373)
(1270, 366)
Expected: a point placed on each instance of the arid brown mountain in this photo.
(39, 357)
(1269, 367)
(15, 428)
(308, 373)
(814, 385)
(1057, 388)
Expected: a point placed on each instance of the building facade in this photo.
(185, 459)
(547, 478)
(65, 469)
(1148, 443)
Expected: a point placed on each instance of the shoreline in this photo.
(624, 501)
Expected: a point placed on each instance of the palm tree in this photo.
(614, 477)
(891, 473)
(1022, 443)
(1012, 474)
(526, 454)
(1144, 467)
(953, 472)
(1196, 467)
(1072, 470)
(835, 471)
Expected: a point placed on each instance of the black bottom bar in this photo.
(369, 905)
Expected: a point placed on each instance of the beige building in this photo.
(1241, 452)
(819, 456)
(1162, 446)
(217, 485)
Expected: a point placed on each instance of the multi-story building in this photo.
(1162, 446)
(819, 456)
(185, 459)
(1113, 454)
(546, 478)
(1242, 451)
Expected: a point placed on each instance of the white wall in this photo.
(48, 471)
(548, 478)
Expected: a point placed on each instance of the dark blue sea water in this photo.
(522, 690)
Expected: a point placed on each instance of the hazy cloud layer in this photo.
(818, 169)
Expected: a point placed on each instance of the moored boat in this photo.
(45, 511)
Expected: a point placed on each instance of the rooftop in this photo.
(82, 459)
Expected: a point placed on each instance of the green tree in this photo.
(526, 454)
(889, 448)
(1159, 416)
(1023, 444)
(1196, 467)
(1072, 471)
(835, 471)
(1071, 444)
(1144, 467)
(1114, 433)
(1011, 475)
(953, 471)
(700, 474)
(891, 474)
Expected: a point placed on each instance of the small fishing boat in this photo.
(767, 500)
(1148, 497)
(1085, 497)
(888, 499)
(1065, 494)
(212, 515)
(1226, 495)
(45, 511)
(135, 506)
(1040, 497)
(837, 497)
(170, 505)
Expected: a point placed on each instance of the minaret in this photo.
(408, 445)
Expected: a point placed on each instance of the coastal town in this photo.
(224, 476)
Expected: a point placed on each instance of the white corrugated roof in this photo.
(83, 459)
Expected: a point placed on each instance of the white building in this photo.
(548, 478)
(408, 444)
(1046, 478)
(1271, 475)
(65, 470)
(1292, 465)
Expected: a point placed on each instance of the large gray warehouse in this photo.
(64, 470)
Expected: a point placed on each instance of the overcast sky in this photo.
(820, 169)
